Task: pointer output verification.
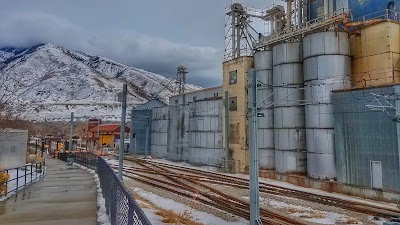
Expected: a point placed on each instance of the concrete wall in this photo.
(238, 125)
(13, 148)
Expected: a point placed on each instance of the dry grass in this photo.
(351, 220)
(304, 213)
(169, 216)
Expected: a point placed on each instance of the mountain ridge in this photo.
(50, 75)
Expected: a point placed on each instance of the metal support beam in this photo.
(226, 131)
(71, 129)
(253, 148)
(132, 135)
(122, 132)
(146, 145)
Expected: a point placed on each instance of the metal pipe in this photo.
(326, 8)
(226, 139)
(253, 148)
(289, 15)
(122, 132)
(299, 12)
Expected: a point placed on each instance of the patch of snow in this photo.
(309, 214)
(199, 216)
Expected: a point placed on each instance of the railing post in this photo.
(130, 213)
(36, 171)
(31, 173)
(113, 203)
(25, 177)
(17, 181)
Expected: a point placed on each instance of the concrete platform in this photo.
(66, 195)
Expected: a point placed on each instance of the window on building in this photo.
(233, 103)
(176, 102)
(194, 98)
(233, 77)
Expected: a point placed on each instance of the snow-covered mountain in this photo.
(55, 81)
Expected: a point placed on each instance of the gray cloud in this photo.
(150, 53)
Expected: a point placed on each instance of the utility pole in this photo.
(146, 145)
(226, 132)
(122, 132)
(71, 129)
(253, 148)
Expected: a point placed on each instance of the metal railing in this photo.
(121, 207)
(20, 177)
(87, 159)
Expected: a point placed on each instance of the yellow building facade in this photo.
(375, 52)
(235, 82)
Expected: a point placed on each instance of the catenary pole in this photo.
(122, 133)
(253, 152)
(226, 131)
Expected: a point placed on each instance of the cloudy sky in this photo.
(155, 35)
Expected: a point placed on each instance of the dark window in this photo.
(176, 102)
(194, 98)
(233, 77)
(233, 103)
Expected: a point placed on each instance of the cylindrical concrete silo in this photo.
(326, 68)
(263, 67)
(289, 132)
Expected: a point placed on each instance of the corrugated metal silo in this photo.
(289, 132)
(178, 122)
(205, 132)
(159, 132)
(326, 68)
(266, 149)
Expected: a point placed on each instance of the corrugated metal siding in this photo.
(362, 136)
(140, 120)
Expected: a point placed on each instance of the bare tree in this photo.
(11, 107)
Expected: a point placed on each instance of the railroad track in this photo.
(189, 187)
(242, 183)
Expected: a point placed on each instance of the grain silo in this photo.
(289, 132)
(326, 68)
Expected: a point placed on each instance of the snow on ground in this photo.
(309, 214)
(102, 218)
(179, 208)
(294, 187)
(12, 184)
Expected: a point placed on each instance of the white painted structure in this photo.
(13, 148)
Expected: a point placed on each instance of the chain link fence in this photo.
(121, 207)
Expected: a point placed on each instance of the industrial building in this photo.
(13, 148)
(319, 65)
(141, 124)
